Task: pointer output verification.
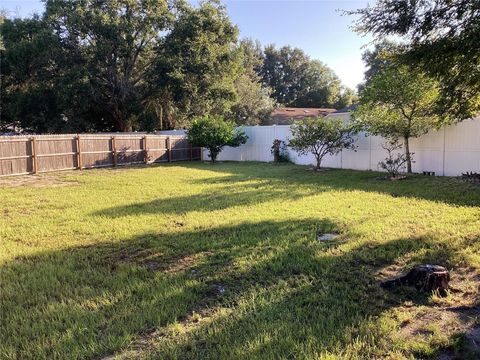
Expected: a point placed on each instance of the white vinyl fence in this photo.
(449, 151)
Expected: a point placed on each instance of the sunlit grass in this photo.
(194, 261)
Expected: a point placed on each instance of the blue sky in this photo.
(316, 26)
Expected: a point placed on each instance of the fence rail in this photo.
(42, 153)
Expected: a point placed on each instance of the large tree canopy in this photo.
(442, 37)
(115, 41)
(376, 60)
(28, 91)
(254, 103)
(297, 80)
(123, 65)
(199, 62)
(118, 65)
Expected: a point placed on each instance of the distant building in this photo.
(285, 116)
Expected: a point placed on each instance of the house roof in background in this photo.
(284, 116)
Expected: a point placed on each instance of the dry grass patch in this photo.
(37, 181)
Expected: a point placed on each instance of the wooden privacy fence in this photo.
(42, 153)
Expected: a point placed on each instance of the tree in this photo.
(298, 81)
(442, 38)
(28, 95)
(399, 103)
(118, 65)
(254, 103)
(116, 41)
(199, 62)
(214, 133)
(321, 136)
(347, 98)
(381, 57)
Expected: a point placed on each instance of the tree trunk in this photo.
(425, 278)
(213, 156)
(122, 125)
(125, 127)
(319, 162)
(407, 154)
(161, 117)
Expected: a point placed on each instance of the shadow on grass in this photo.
(241, 194)
(440, 189)
(288, 295)
(241, 184)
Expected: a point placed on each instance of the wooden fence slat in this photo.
(106, 151)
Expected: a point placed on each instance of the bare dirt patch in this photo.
(36, 181)
(175, 265)
(157, 261)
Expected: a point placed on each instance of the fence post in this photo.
(145, 150)
(191, 151)
(444, 142)
(79, 154)
(34, 155)
(169, 149)
(114, 151)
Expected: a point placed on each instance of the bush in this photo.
(395, 159)
(214, 133)
(280, 152)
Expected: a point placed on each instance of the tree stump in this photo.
(424, 278)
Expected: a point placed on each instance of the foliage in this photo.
(381, 57)
(254, 103)
(395, 159)
(117, 41)
(280, 152)
(298, 81)
(399, 102)
(347, 97)
(441, 38)
(199, 63)
(125, 65)
(321, 136)
(118, 65)
(28, 91)
(214, 133)
(85, 272)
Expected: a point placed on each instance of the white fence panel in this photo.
(449, 151)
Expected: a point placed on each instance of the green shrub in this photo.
(214, 133)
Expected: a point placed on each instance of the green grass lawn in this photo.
(194, 261)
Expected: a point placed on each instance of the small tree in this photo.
(214, 133)
(395, 159)
(399, 102)
(321, 136)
